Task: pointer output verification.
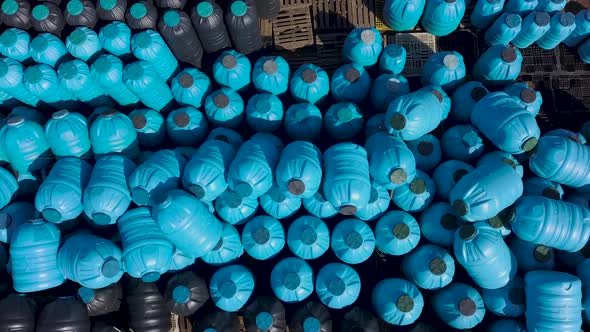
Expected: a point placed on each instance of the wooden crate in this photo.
(292, 29)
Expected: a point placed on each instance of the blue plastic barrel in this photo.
(375, 124)
(459, 305)
(485, 12)
(397, 233)
(151, 181)
(441, 17)
(41, 81)
(445, 69)
(447, 174)
(498, 66)
(11, 76)
(28, 183)
(186, 126)
(362, 46)
(299, 170)
(235, 209)
(107, 195)
(337, 285)
(343, 121)
(8, 187)
(83, 43)
(13, 215)
(462, 142)
(115, 38)
(15, 43)
(107, 72)
(504, 29)
(319, 206)
(190, 87)
(227, 135)
(415, 195)
(577, 137)
(303, 121)
(264, 112)
(228, 249)
(350, 83)
(292, 280)
(308, 237)
(427, 151)
(562, 25)
(113, 133)
(28, 113)
(533, 27)
(67, 134)
(149, 46)
(397, 301)
(279, 205)
(232, 70)
(507, 301)
(520, 7)
(263, 237)
(402, 15)
(582, 271)
(150, 127)
(393, 59)
(531, 256)
(581, 31)
(29, 149)
(271, 75)
(142, 79)
(386, 88)
(440, 270)
(352, 241)
(74, 76)
(501, 157)
(224, 108)
(48, 49)
(551, 6)
(530, 99)
(377, 205)
(536, 186)
(231, 287)
(309, 84)
(438, 224)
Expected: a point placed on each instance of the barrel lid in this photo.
(458, 174)
(261, 236)
(368, 36)
(138, 10)
(292, 281)
(551, 192)
(336, 286)
(8, 38)
(197, 190)
(437, 94)
(60, 114)
(186, 80)
(86, 294)
(348, 210)
(449, 221)
(228, 289)
(33, 75)
(508, 55)
(108, 4)
(264, 321)
(109, 112)
(393, 84)
(263, 105)
(232, 199)
(270, 67)
(418, 186)
(139, 121)
(68, 70)
(528, 95)
(5, 220)
(311, 324)
(111, 267)
(401, 231)
(140, 196)
(512, 20)
(460, 207)
(425, 148)
(15, 120)
(10, 7)
(52, 215)
(345, 113)
(309, 236)
(353, 240)
(398, 121)
(352, 75)
(150, 277)
(101, 218)
(222, 138)
(78, 36)
(451, 61)
(398, 176)
(405, 303)
(309, 76)
(529, 144)
(466, 307)
(181, 294)
(244, 189)
(239, 8)
(221, 100)
(182, 120)
(566, 19)
(40, 12)
(143, 39)
(75, 7)
(478, 93)
(296, 187)
(516, 295)
(467, 231)
(102, 64)
(219, 245)
(437, 266)
(542, 19)
(171, 18)
(205, 9)
(542, 254)
(450, 1)
(470, 139)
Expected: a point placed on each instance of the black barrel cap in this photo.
(449, 221)
(508, 55)
(401, 231)
(182, 120)
(529, 144)
(542, 254)
(221, 100)
(398, 121)
(467, 307)
(437, 266)
(552, 193)
(229, 61)
(309, 76)
(478, 93)
(460, 207)
(352, 75)
(296, 187)
(425, 148)
(418, 186)
(348, 210)
(270, 67)
(459, 174)
(467, 232)
(398, 176)
(186, 80)
(528, 95)
(139, 121)
(405, 303)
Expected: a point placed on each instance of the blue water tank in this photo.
(28, 147)
(427, 152)
(232, 69)
(438, 224)
(91, 261)
(397, 301)
(83, 43)
(402, 15)
(459, 305)
(386, 88)
(279, 205)
(445, 69)
(33, 257)
(186, 126)
(149, 46)
(397, 233)
(187, 223)
(462, 142)
(577, 137)
(115, 38)
(308, 237)
(107, 195)
(229, 248)
(415, 195)
(224, 108)
(498, 66)
(521, 7)
(464, 99)
(263, 237)
(501, 157)
(292, 280)
(227, 135)
(533, 27)
(190, 87)
(74, 76)
(507, 301)
(271, 75)
(150, 126)
(485, 12)
(343, 121)
(142, 79)
(447, 174)
(264, 112)
(584, 51)
(337, 285)
(42, 82)
(113, 133)
(536, 186)
(375, 124)
(299, 170)
(378, 204)
(440, 270)
(303, 121)
(416, 114)
(441, 17)
(393, 59)
(59, 197)
(504, 29)
(362, 46)
(15, 214)
(107, 72)
(530, 99)
(48, 49)
(350, 83)
(231, 287)
(15, 43)
(67, 134)
(352, 241)
(11, 77)
(581, 31)
(235, 209)
(309, 84)
(562, 25)
(319, 206)
(553, 301)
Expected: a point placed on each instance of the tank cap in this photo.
(398, 121)
(551, 192)
(75, 7)
(68, 70)
(566, 19)
(171, 18)
(52, 215)
(270, 67)
(296, 187)
(451, 61)
(229, 61)
(542, 19)
(261, 236)
(139, 121)
(398, 176)
(182, 120)
(108, 4)
(368, 36)
(8, 38)
(181, 294)
(437, 266)
(516, 295)
(467, 307)
(109, 112)
(478, 93)
(425, 148)
(393, 84)
(204, 9)
(529, 144)
(401, 231)
(239, 8)
(186, 80)
(150, 277)
(449, 221)
(60, 114)
(450, 1)
(228, 289)
(309, 76)
(311, 324)
(221, 100)
(353, 240)
(418, 186)
(10, 7)
(140, 196)
(336, 286)
(309, 236)
(542, 254)
(222, 138)
(528, 95)
(138, 11)
(111, 267)
(348, 210)
(244, 189)
(264, 321)
(101, 218)
(460, 207)
(437, 94)
(197, 190)
(512, 20)
(87, 295)
(405, 303)
(352, 75)
(5, 220)
(467, 231)
(459, 174)
(292, 281)
(232, 199)
(15, 120)
(40, 12)
(508, 55)
(345, 114)
(219, 245)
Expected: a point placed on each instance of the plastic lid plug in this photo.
(40, 12)
(204, 9)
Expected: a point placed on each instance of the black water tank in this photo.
(81, 13)
(142, 15)
(178, 4)
(186, 293)
(64, 314)
(312, 316)
(242, 22)
(218, 320)
(47, 17)
(207, 19)
(147, 311)
(359, 320)
(265, 314)
(268, 9)
(17, 313)
(180, 35)
(103, 300)
(111, 10)
(16, 13)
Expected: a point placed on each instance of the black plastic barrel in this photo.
(178, 4)
(217, 320)
(142, 15)
(103, 300)
(178, 32)
(186, 293)
(146, 308)
(80, 13)
(47, 17)
(111, 10)
(64, 314)
(16, 13)
(268, 9)
(242, 22)
(207, 19)
(17, 313)
(102, 326)
(357, 320)
(312, 316)
(265, 314)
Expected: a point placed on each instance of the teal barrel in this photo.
(91, 261)
(151, 181)
(581, 31)
(464, 99)
(485, 12)
(48, 17)
(429, 267)
(229, 248)
(107, 72)
(263, 237)
(502, 157)
(8, 187)
(265, 313)
(533, 27)
(536, 186)
(352, 241)
(224, 108)
(33, 257)
(59, 197)
(48, 49)
(351, 83)
(397, 233)
(403, 15)
(375, 124)
(377, 205)
(391, 163)
(74, 76)
(309, 84)
(291, 280)
(498, 66)
(299, 170)
(29, 149)
(303, 122)
(13, 215)
(186, 126)
(11, 76)
(115, 38)
(149, 125)
(462, 142)
(232, 70)
(149, 46)
(337, 285)
(446, 69)
(438, 224)
(278, 205)
(415, 195)
(113, 133)
(393, 59)
(397, 301)
(186, 293)
(107, 195)
(308, 237)
(319, 206)
(42, 82)
(504, 29)
(235, 209)
(67, 134)
(311, 316)
(531, 257)
(140, 15)
(507, 301)
(190, 87)
(343, 121)
(386, 88)
(15, 44)
(427, 151)
(147, 252)
(227, 135)
(441, 17)
(459, 305)
(562, 26)
(520, 7)
(187, 223)
(271, 75)
(142, 79)
(83, 43)
(111, 10)
(264, 112)
(530, 99)
(362, 46)
(231, 287)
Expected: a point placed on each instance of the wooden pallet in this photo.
(419, 48)
(292, 29)
(331, 15)
(361, 13)
(266, 32)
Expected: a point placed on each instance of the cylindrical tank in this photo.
(582, 29)
(462, 142)
(532, 256)
(498, 66)
(464, 99)
(178, 32)
(17, 313)
(445, 69)
(224, 108)
(441, 17)
(530, 99)
(427, 152)
(101, 301)
(271, 75)
(8, 187)
(308, 237)
(241, 19)
(264, 112)
(499, 158)
(146, 308)
(263, 237)
(279, 205)
(64, 314)
(504, 29)
(15, 43)
(397, 233)
(231, 207)
(207, 18)
(74, 76)
(459, 305)
(291, 280)
(13, 215)
(447, 174)
(231, 287)
(397, 301)
(232, 69)
(337, 285)
(485, 12)
(393, 59)
(562, 25)
(520, 7)
(47, 17)
(507, 301)
(533, 27)
(352, 241)
(149, 46)
(150, 126)
(16, 13)
(217, 320)
(440, 271)
(186, 293)
(80, 13)
(312, 316)
(11, 76)
(83, 43)
(111, 10)
(67, 134)
(362, 46)
(113, 133)
(142, 15)
(299, 170)
(535, 186)
(303, 121)
(143, 80)
(227, 250)
(186, 126)
(190, 87)
(319, 206)
(41, 81)
(309, 84)
(378, 203)
(350, 83)
(115, 38)
(265, 313)
(438, 224)
(415, 195)
(402, 15)
(29, 150)
(107, 72)
(343, 121)
(386, 88)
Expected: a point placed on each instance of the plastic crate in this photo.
(569, 61)
(536, 59)
(292, 28)
(266, 32)
(571, 94)
(379, 24)
(419, 47)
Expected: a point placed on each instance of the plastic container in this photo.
(438, 224)
(397, 233)
(507, 301)
(337, 285)
(312, 316)
(362, 46)
(74, 76)
(378, 204)
(142, 15)
(67, 134)
(440, 271)
(459, 305)
(581, 31)
(551, 6)
(217, 320)
(232, 69)
(101, 301)
(265, 313)
(113, 133)
(190, 87)
(29, 150)
(178, 32)
(80, 13)
(15, 43)
(530, 99)
(318, 206)
(520, 7)
(386, 88)
(107, 72)
(375, 124)
(393, 59)
(299, 170)
(533, 27)
(279, 205)
(263, 237)
(427, 152)
(264, 112)
(231, 287)
(224, 108)
(535, 186)
(309, 84)
(33, 257)
(292, 280)
(64, 314)
(146, 308)
(442, 17)
(235, 209)
(553, 301)
(343, 121)
(504, 29)
(11, 76)
(402, 15)
(17, 313)
(207, 18)
(83, 43)
(577, 137)
(115, 38)
(227, 250)
(391, 163)
(179, 4)
(308, 237)
(463, 143)
(8, 187)
(415, 195)
(13, 215)
(445, 69)
(186, 293)
(359, 319)
(241, 20)
(562, 25)
(485, 13)
(150, 127)
(42, 82)
(16, 13)
(303, 122)
(186, 126)
(350, 83)
(47, 17)
(352, 241)
(506, 325)
(111, 10)
(149, 46)
(397, 301)
(498, 66)
(271, 75)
